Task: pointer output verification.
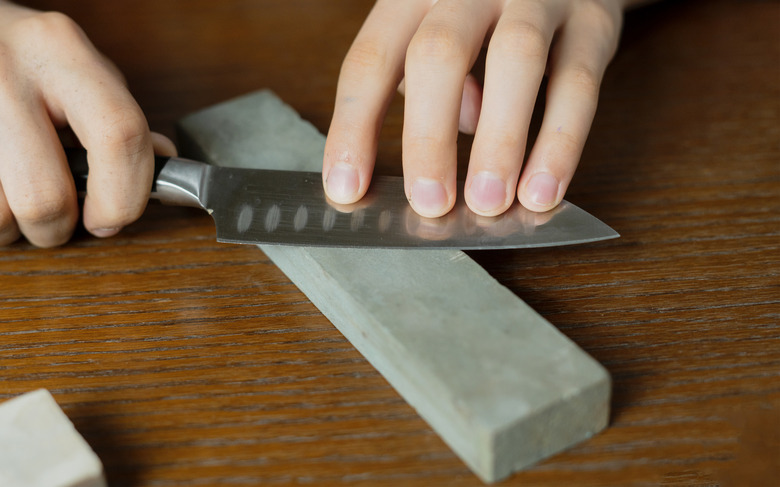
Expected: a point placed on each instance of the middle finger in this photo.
(439, 57)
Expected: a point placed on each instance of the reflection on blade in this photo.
(285, 207)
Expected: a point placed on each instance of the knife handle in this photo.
(177, 181)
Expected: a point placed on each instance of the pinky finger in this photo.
(163, 145)
(9, 230)
(579, 59)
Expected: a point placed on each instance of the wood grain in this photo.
(187, 362)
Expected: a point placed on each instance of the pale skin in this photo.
(52, 77)
(429, 47)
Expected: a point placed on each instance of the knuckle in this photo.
(43, 207)
(585, 79)
(366, 57)
(507, 142)
(501, 149)
(566, 148)
(125, 132)
(606, 20)
(47, 27)
(522, 37)
(40, 45)
(439, 44)
(606, 15)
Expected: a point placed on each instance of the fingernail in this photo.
(487, 192)
(105, 232)
(343, 183)
(543, 189)
(429, 198)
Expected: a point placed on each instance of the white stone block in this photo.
(40, 447)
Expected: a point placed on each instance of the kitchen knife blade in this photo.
(258, 206)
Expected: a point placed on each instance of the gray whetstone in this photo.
(502, 386)
(39, 447)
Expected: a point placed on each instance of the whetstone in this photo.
(502, 386)
(40, 447)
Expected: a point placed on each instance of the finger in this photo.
(587, 43)
(121, 160)
(470, 105)
(163, 145)
(515, 64)
(369, 75)
(439, 57)
(9, 230)
(37, 185)
(110, 125)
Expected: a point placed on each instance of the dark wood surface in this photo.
(187, 362)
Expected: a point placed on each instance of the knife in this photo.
(258, 206)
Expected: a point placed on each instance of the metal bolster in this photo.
(181, 183)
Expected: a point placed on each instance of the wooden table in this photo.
(187, 362)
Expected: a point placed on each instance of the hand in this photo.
(52, 77)
(431, 46)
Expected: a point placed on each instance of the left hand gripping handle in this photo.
(176, 181)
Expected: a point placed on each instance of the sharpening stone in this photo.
(499, 384)
(40, 447)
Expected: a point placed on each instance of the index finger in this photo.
(369, 76)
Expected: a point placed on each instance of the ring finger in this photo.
(516, 60)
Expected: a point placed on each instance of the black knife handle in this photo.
(177, 181)
(79, 168)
